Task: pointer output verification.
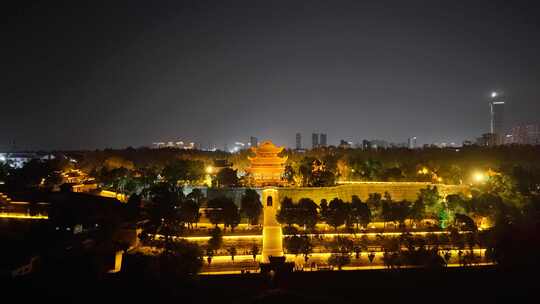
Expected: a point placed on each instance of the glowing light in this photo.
(23, 216)
(209, 169)
(423, 171)
(479, 177)
(493, 94)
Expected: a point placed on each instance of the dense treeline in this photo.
(325, 166)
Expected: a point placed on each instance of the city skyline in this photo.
(116, 76)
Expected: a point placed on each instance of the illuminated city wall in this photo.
(398, 190)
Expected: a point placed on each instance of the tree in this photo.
(323, 206)
(307, 248)
(341, 252)
(464, 222)
(146, 178)
(431, 198)
(294, 244)
(369, 169)
(133, 207)
(54, 179)
(197, 196)
(214, 211)
(254, 251)
(222, 210)
(374, 203)
(216, 239)
(371, 257)
(232, 252)
(189, 211)
(297, 244)
(314, 172)
(288, 174)
(164, 208)
(5, 169)
(357, 252)
(30, 175)
(418, 211)
(183, 171)
(231, 214)
(251, 206)
(307, 215)
(360, 213)
(400, 212)
(180, 259)
(339, 260)
(392, 174)
(337, 213)
(386, 212)
(209, 255)
(286, 213)
(227, 177)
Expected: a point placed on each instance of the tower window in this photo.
(269, 201)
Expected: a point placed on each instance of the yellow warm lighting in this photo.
(23, 216)
(209, 169)
(479, 177)
(323, 235)
(423, 171)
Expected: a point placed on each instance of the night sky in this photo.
(118, 74)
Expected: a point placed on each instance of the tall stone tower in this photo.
(272, 235)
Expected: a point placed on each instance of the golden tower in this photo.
(267, 167)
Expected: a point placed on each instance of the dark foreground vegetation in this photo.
(464, 285)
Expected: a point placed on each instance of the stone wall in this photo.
(398, 190)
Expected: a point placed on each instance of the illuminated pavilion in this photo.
(266, 166)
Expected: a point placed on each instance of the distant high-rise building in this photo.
(343, 144)
(253, 141)
(298, 141)
(487, 140)
(528, 134)
(366, 144)
(496, 111)
(314, 140)
(322, 142)
(378, 144)
(411, 143)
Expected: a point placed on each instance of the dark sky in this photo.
(114, 74)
